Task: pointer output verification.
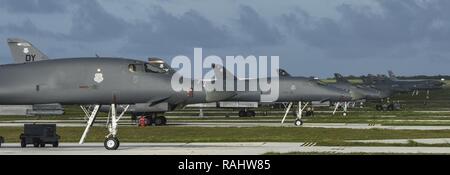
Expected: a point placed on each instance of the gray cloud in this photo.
(402, 28)
(33, 6)
(411, 32)
(257, 28)
(166, 33)
(92, 23)
(27, 29)
(89, 23)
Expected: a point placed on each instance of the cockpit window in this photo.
(163, 67)
(135, 68)
(146, 68)
(132, 68)
(154, 65)
(153, 69)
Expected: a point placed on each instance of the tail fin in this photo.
(392, 75)
(283, 73)
(23, 51)
(222, 73)
(340, 78)
(369, 79)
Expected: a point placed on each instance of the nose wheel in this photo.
(298, 122)
(111, 143)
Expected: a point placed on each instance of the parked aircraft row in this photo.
(105, 83)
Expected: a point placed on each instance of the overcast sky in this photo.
(312, 37)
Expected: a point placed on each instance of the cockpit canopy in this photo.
(160, 64)
(154, 65)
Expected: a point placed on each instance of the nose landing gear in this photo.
(111, 140)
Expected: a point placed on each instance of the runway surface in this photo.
(153, 149)
(251, 148)
(256, 124)
(316, 125)
(405, 141)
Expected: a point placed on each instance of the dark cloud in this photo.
(33, 6)
(166, 33)
(92, 23)
(256, 28)
(401, 29)
(27, 29)
(416, 30)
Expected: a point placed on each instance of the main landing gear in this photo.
(298, 121)
(111, 140)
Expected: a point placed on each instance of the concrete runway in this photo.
(251, 148)
(255, 148)
(314, 125)
(258, 124)
(405, 141)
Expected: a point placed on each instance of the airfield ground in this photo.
(362, 131)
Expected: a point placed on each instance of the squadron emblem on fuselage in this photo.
(98, 77)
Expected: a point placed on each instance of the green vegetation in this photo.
(322, 136)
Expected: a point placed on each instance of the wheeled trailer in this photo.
(39, 135)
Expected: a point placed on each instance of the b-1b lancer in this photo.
(84, 81)
(397, 85)
(24, 52)
(365, 92)
(291, 89)
(357, 93)
(417, 85)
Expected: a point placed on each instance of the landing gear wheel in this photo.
(344, 114)
(111, 143)
(298, 122)
(36, 144)
(379, 107)
(159, 121)
(55, 144)
(42, 145)
(390, 107)
(23, 144)
(242, 114)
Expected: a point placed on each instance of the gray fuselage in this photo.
(81, 81)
